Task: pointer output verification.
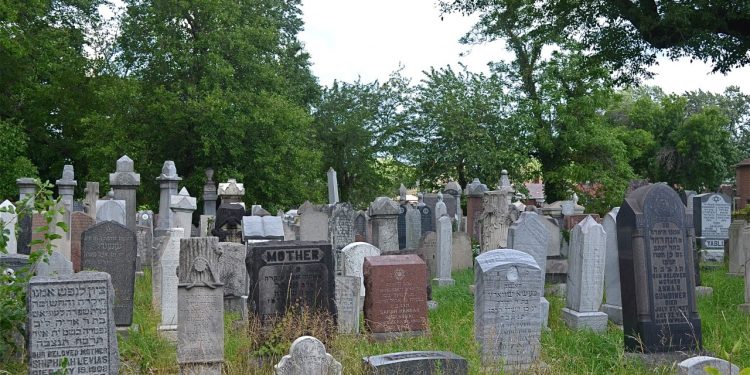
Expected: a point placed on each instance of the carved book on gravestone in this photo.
(111, 247)
(656, 272)
(71, 317)
(290, 273)
(262, 228)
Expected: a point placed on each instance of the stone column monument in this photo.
(124, 183)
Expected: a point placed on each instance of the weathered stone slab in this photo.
(463, 257)
(444, 252)
(79, 223)
(72, 317)
(354, 257)
(396, 302)
(111, 247)
(56, 265)
(494, 221)
(613, 305)
(428, 252)
(360, 227)
(431, 200)
(340, 230)
(697, 366)
(333, 186)
(313, 222)
(736, 252)
(111, 210)
(413, 227)
(307, 356)
(507, 308)
(530, 235)
(347, 303)
(418, 362)
(234, 276)
(656, 262)
(289, 272)
(712, 217)
(169, 261)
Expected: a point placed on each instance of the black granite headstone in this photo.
(360, 227)
(402, 226)
(23, 242)
(283, 274)
(423, 363)
(112, 248)
(656, 272)
(228, 225)
(430, 200)
(426, 213)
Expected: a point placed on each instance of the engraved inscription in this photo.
(669, 274)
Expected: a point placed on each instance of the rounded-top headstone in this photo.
(383, 206)
(453, 187)
(354, 258)
(125, 164)
(307, 356)
(697, 365)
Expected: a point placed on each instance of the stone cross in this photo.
(124, 183)
(307, 356)
(168, 181)
(530, 235)
(209, 194)
(182, 206)
(504, 335)
(586, 277)
(613, 306)
(8, 217)
(444, 251)
(333, 187)
(384, 217)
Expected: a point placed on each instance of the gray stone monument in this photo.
(65, 189)
(111, 247)
(55, 265)
(209, 194)
(182, 206)
(463, 257)
(26, 188)
(425, 212)
(384, 218)
(440, 209)
(454, 189)
(124, 183)
(529, 235)
(507, 311)
(494, 221)
(313, 222)
(92, 195)
(111, 209)
(428, 251)
(421, 362)
(340, 230)
(168, 244)
(232, 192)
(169, 261)
(72, 317)
(555, 236)
(200, 295)
(354, 257)
(413, 227)
(8, 218)
(145, 235)
(735, 249)
(348, 303)
(168, 184)
(234, 277)
(613, 305)
(586, 277)
(333, 187)
(360, 227)
(712, 216)
(697, 366)
(307, 356)
(745, 307)
(474, 191)
(444, 252)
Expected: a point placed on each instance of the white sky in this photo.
(370, 39)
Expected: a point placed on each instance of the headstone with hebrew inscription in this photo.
(167, 288)
(712, 216)
(384, 218)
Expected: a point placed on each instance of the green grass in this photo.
(451, 329)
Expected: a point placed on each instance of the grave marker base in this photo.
(443, 282)
(596, 321)
(703, 291)
(613, 312)
(386, 336)
(666, 359)
(169, 332)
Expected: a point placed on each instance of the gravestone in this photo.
(291, 272)
(422, 362)
(124, 183)
(494, 220)
(200, 307)
(232, 192)
(530, 235)
(656, 272)
(65, 188)
(360, 227)
(555, 236)
(92, 195)
(712, 216)
(340, 230)
(507, 308)
(333, 186)
(209, 194)
(463, 257)
(313, 222)
(12, 264)
(228, 227)
(111, 247)
(71, 317)
(353, 259)
(613, 305)
(697, 366)
(425, 213)
(452, 188)
(745, 307)
(307, 356)
(56, 265)
(444, 252)
(431, 200)
(262, 228)
(474, 192)
(413, 227)
(402, 209)
(26, 188)
(23, 241)
(145, 236)
(169, 261)
(586, 277)
(571, 221)
(348, 303)
(168, 184)
(37, 222)
(396, 299)
(111, 210)
(79, 222)
(384, 218)
(171, 238)
(182, 206)
(735, 249)
(9, 218)
(428, 252)
(234, 276)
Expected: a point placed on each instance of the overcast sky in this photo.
(370, 39)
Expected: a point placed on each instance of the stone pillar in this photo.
(124, 183)
(92, 195)
(26, 187)
(474, 191)
(209, 194)
(168, 181)
(586, 277)
(65, 189)
(613, 306)
(384, 218)
(444, 251)
(333, 187)
(182, 206)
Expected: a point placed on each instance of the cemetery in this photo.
(232, 187)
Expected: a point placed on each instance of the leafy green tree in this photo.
(13, 158)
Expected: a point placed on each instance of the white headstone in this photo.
(111, 210)
(168, 263)
(697, 366)
(444, 251)
(354, 257)
(182, 206)
(307, 356)
(530, 235)
(613, 305)
(9, 219)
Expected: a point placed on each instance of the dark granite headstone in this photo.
(111, 247)
(656, 272)
(712, 215)
(426, 214)
(228, 225)
(291, 272)
(430, 200)
(402, 226)
(360, 227)
(23, 242)
(426, 363)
